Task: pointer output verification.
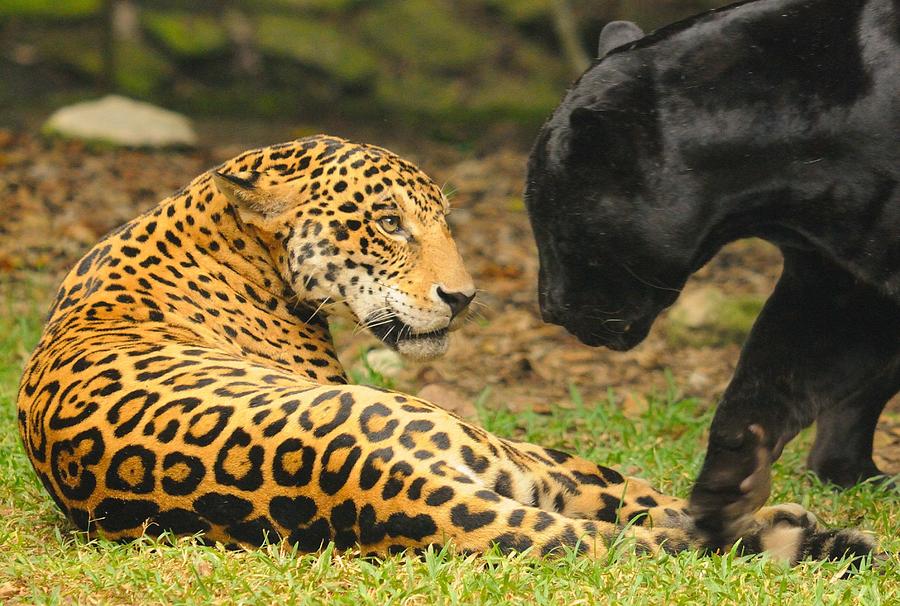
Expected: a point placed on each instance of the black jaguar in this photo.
(778, 119)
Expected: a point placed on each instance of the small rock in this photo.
(698, 382)
(698, 307)
(448, 398)
(120, 121)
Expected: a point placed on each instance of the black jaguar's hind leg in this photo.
(842, 453)
(822, 338)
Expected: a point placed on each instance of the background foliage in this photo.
(458, 63)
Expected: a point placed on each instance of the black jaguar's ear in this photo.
(253, 203)
(617, 33)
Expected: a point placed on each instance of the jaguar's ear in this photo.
(617, 33)
(254, 204)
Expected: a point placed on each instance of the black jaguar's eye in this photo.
(390, 224)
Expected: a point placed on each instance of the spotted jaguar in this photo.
(186, 382)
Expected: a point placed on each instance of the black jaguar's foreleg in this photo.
(842, 453)
(822, 338)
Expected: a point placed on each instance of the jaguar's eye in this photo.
(390, 224)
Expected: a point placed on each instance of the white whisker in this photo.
(318, 309)
(648, 282)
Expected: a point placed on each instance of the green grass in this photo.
(43, 560)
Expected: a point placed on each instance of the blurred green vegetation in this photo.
(49, 9)
(723, 320)
(444, 65)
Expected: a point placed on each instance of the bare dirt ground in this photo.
(58, 198)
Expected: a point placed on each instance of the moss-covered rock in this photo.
(523, 11)
(414, 93)
(244, 99)
(429, 34)
(140, 71)
(296, 6)
(66, 47)
(185, 34)
(524, 89)
(316, 44)
(651, 15)
(55, 9)
(514, 99)
(450, 66)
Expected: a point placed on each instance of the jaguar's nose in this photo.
(458, 301)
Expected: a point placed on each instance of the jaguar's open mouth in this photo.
(418, 345)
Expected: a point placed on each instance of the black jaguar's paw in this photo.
(734, 483)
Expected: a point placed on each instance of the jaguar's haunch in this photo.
(186, 381)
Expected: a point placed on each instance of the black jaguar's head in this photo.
(615, 244)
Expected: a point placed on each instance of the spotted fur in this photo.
(186, 381)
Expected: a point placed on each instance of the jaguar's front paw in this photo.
(734, 483)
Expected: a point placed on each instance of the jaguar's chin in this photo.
(424, 348)
(415, 345)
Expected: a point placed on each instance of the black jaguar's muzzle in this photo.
(591, 329)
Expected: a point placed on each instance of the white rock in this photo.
(121, 121)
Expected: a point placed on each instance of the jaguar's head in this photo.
(356, 230)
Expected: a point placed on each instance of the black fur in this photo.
(778, 119)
